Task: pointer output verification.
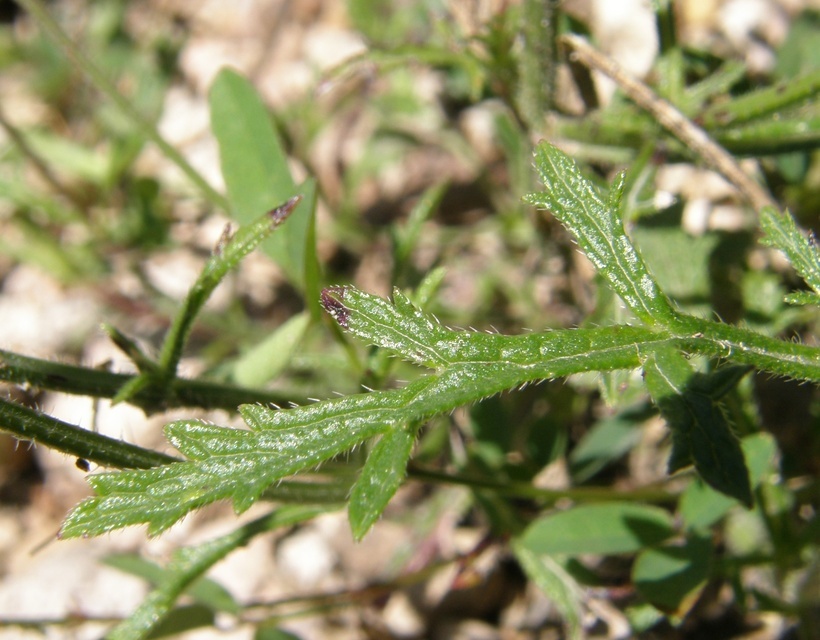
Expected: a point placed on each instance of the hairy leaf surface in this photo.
(236, 464)
(782, 233)
(466, 366)
(701, 433)
(598, 228)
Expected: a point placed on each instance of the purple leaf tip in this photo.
(331, 301)
(279, 214)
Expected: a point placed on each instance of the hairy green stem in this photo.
(539, 56)
(744, 346)
(26, 424)
(179, 392)
(763, 101)
(189, 564)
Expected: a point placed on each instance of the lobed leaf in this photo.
(803, 253)
(239, 464)
(228, 463)
(403, 329)
(599, 230)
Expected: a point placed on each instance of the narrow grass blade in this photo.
(204, 591)
(558, 585)
(270, 357)
(254, 163)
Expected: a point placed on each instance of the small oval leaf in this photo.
(617, 527)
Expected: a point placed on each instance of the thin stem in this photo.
(71, 621)
(99, 383)
(673, 120)
(50, 26)
(189, 564)
(549, 496)
(225, 258)
(27, 424)
(311, 604)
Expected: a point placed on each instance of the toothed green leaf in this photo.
(467, 366)
(381, 476)
(599, 230)
(782, 233)
(701, 433)
(239, 465)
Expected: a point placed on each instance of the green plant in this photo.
(239, 465)
(694, 370)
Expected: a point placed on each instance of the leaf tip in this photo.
(331, 299)
(279, 214)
